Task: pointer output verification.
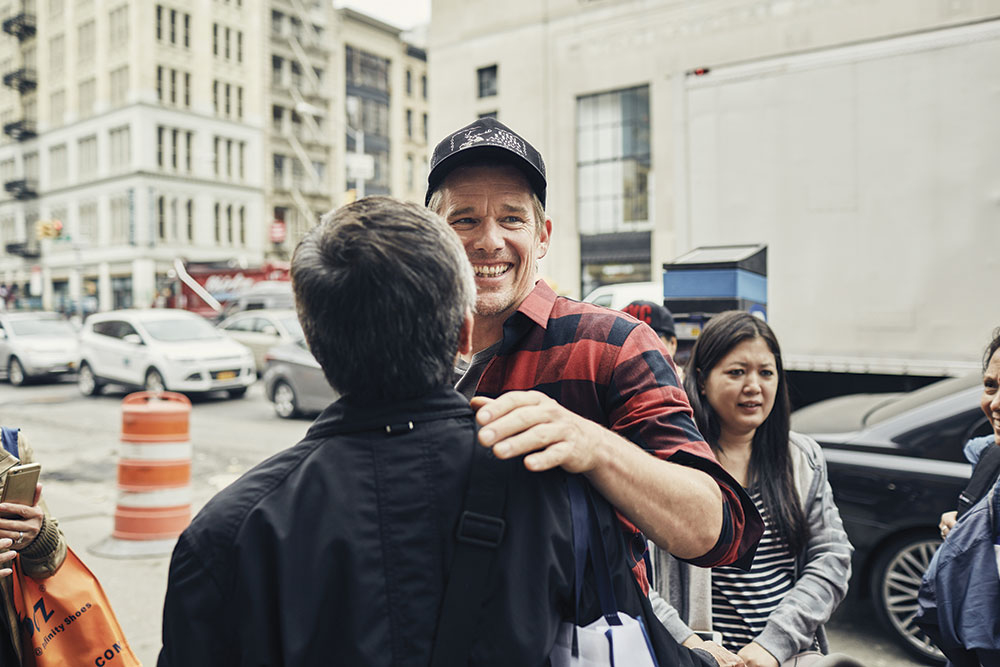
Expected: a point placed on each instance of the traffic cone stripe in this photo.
(155, 451)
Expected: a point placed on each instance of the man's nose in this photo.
(489, 237)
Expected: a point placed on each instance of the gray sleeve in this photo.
(668, 615)
(822, 583)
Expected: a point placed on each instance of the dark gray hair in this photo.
(381, 289)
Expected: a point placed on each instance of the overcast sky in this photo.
(400, 13)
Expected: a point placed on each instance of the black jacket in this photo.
(336, 551)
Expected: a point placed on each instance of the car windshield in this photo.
(181, 329)
(915, 399)
(292, 326)
(42, 327)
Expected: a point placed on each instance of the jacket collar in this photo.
(347, 415)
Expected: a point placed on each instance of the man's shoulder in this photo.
(219, 522)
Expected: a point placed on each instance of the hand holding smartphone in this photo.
(20, 485)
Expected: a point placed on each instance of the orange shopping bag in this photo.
(66, 619)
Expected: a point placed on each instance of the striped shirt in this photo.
(609, 368)
(742, 601)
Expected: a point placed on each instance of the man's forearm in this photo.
(677, 507)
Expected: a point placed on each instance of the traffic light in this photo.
(49, 229)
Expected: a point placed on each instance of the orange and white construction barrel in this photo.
(154, 476)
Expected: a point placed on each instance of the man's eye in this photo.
(463, 221)
(511, 220)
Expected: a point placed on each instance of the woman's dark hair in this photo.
(991, 348)
(770, 463)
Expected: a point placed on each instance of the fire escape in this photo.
(23, 79)
(310, 98)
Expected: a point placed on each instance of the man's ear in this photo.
(543, 238)
(465, 334)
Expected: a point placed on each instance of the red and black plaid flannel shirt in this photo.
(604, 366)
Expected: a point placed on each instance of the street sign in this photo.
(360, 166)
(278, 231)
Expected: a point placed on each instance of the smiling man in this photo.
(572, 385)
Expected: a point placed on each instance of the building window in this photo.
(187, 90)
(161, 218)
(159, 83)
(57, 56)
(187, 30)
(215, 39)
(87, 158)
(118, 28)
(409, 123)
(409, 83)
(189, 149)
(276, 70)
(423, 86)
(613, 161)
(57, 165)
(87, 97)
(88, 222)
(277, 116)
(487, 79)
(242, 148)
(217, 142)
(218, 224)
(366, 70)
(159, 23)
(424, 119)
(120, 149)
(243, 226)
(190, 220)
(279, 170)
(119, 86)
(174, 145)
(57, 107)
(488, 114)
(86, 44)
(159, 145)
(229, 224)
(173, 26)
(173, 86)
(239, 102)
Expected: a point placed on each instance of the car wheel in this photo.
(237, 393)
(285, 402)
(15, 372)
(86, 381)
(154, 382)
(895, 582)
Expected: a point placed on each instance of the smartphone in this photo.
(709, 636)
(20, 485)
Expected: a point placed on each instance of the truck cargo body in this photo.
(872, 173)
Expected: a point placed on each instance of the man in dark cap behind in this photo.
(659, 320)
(572, 385)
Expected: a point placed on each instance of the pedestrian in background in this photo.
(774, 614)
(982, 452)
(30, 535)
(660, 320)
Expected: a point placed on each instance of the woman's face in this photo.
(741, 387)
(990, 402)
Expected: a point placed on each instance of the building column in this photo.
(47, 293)
(76, 290)
(143, 282)
(105, 297)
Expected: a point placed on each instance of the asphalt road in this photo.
(76, 440)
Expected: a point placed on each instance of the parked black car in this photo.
(896, 464)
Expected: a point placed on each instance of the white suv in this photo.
(161, 349)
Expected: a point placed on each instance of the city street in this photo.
(76, 441)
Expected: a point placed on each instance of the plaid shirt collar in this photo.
(536, 308)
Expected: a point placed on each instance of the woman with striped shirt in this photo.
(773, 614)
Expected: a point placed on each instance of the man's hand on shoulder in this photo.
(532, 424)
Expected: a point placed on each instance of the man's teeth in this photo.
(492, 271)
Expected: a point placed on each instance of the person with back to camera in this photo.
(774, 614)
(339, 550)
(981, 452)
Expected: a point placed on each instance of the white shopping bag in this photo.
(603, 645)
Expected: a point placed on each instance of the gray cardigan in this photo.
(823, 569)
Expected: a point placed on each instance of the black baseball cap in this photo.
(656, 316)
(486, 138)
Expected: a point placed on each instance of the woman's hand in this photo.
(7, 556)
(724, 657)
(754, 655)
(21, 523)
(948, 520)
